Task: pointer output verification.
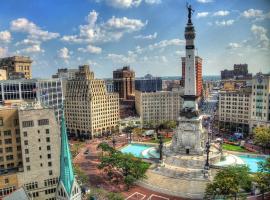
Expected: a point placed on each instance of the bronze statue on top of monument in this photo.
(190, 12)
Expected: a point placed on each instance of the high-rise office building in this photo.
(89, 109)
(158, 107)
(198, 74)
(240, 72)
(47, 91)
(17, 67)
(148, 84)
(29, 151)
(123, 81)
(260, 103)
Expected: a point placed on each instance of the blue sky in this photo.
(148, 35)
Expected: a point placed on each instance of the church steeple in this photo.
(68, 188)
(66, 169)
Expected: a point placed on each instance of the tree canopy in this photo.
(123, 166)
(228, 182)
(262, 136)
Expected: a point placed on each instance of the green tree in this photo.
(137, 132)
(104, 195)
(262, 178)
(262, 137)
(81, 175)
(130, 167)
(171, 124)
(229, 182)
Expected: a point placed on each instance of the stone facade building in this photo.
(123, 81)
(260, 103)
(234, 109)
(240, 71)
(158, 107)
(30, 151)
(17, 67)
(89, 109)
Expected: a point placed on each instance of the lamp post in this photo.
(207, 146)
(159, 137)
(113, 141)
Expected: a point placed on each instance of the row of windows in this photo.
(30, 123)
(6, 191)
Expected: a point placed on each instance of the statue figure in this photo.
(190, 12)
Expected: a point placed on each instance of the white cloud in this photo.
(221, 13)
(153, 1)
(146, 37)
(3, 52)
(225, 22)
(233, 45)
(63, 53)
(260, 34)
(91, 49)
(27, 42)
(122, 59)
(204, 1)
(166, 43)
(5, 36)
(34, 32)
(91, 63)
(257, 14)
(111, 30)
(202, 14)
(252, 13)
(124, 4)
(32, 49)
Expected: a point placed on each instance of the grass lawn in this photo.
(230, 147)
(153, 140)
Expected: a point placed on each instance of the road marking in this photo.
(136, 196)
(159, 197)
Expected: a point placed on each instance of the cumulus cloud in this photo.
(221, 13)
(204, 1)
(153, 1)
(202, 14)
(166, 43)
(34, 32)
(32, 49)
(255, 14)
(260, 34)
(27, 42)
(91, 49)
(63, 53)
(146, 37)
(233, 45)
(5, 36)
(111, 30)
(124, 4)
(122, 59)
(225, 22)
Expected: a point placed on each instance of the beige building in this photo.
(30, 151)
(234, 109)
(17, 67)
(157, 107)
(260, 103)
(89, 109)
(3, 74)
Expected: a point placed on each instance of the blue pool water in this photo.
(135, 149)
(252, 162)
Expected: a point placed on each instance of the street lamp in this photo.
(159, 137)
(113, 141)
(207, 149)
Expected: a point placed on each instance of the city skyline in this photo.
(108, 34)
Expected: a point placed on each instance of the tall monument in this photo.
(190, 136)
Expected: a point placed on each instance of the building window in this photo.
(49, 164)
(50, 172)
(6, 181)
(28, 168)
(8, 141)
(28, 124)
(9, 157)
(7, 133)
(47, 131)
(43, 122)
(26, 151)
(49, 156)
(27, 159)
(48, 148)
(25, 142)
(47, 139)
(25, 134)
(1, 122)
